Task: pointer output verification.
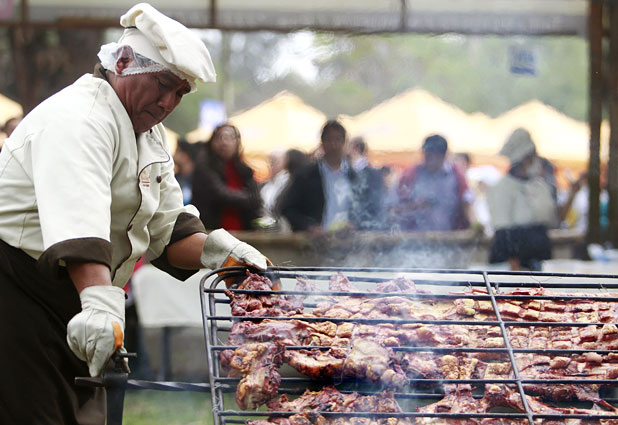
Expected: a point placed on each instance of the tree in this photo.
(39, 62)
(472, 72)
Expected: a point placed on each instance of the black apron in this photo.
(38, 368)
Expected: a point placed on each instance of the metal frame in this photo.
(211, 296)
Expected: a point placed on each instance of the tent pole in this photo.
(595, 106)
(612, 169)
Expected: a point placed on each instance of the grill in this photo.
(487, 286)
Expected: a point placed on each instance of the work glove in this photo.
(223, 250)
(97, 331)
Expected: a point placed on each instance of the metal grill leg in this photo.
(115, 384)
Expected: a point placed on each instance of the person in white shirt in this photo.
(277, 181)
(522, 207)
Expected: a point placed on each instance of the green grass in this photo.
(149, 407)
(144, 407)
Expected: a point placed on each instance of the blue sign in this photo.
(522, 60)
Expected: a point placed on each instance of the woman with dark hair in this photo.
(224, 190)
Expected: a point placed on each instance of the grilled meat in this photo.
(365, 359)
(359, 350)
(579, 309)
(459, 400)
(270, 305)
(331, 400)
(287, 332)
(258, 364)
(305, 418)
(508, 396)
(311, 403)
(340, 283)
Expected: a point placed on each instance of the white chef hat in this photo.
(518, 146)
(169, 46)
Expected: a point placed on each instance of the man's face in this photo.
(434, 160)
(333, 144)
(150, 98)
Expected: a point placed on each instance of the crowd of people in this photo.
(336, 188)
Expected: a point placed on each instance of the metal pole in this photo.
(595, 107)
(612, 169)
(165, 370)
(213, 14)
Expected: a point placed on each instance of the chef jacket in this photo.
(77, 184)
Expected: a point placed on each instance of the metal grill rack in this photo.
(442, 283)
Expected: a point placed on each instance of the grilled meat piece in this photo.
(331, 400)
(365, 359)
(461, 400)
(258, 364)
(316, 363)
(340, 283)
(269, 305)
(533, 366)
(399, 284)
(564, 337)
(311, 403)
(305, 418)
(458, 400)
(287, 332)
(328, 399)
(578, 309)
(508, 396)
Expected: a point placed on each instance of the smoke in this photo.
(390, 250)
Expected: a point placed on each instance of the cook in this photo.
(86, 188)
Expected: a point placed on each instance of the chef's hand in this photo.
(97, 331)
(223, 250)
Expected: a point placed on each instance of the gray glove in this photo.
(223, 250)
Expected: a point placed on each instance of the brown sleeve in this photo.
(186, 225)
(80, 250)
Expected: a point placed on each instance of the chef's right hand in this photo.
(221, 249)
(97, 331)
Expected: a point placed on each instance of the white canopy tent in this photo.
(400, 124)
(282, 122)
